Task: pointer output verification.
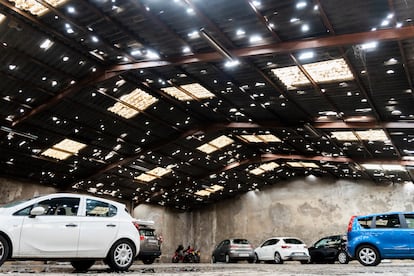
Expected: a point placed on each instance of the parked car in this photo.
(280, 249)
(150, 245)
(374, 237)
(73, 227)
(329, 250)
(233, 250)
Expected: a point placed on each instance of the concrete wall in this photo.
(11, 190)
(308, 208)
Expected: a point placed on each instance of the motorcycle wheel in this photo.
(189, 259)
(175, 259)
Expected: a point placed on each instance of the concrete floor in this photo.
(394, 268)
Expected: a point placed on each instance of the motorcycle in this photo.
(190, 255)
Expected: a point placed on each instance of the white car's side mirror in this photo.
(37, 211)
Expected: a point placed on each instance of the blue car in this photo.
(372, 238)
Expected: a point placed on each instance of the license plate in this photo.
(298, 253)
(243, 255)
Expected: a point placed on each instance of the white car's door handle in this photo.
(110, 225)
(71, 225)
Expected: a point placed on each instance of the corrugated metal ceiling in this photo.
(100, 52)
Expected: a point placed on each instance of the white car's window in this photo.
(293, 241)
(98, 208)
(61, 206)
(24, 212)
(270, 242)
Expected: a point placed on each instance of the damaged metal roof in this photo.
(184, 103)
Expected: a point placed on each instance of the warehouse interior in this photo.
(212, 118)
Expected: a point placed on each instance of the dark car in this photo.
(233, 250)
(329, 250)
(150, 248)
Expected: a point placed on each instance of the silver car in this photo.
(233, 250)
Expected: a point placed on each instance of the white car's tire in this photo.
(257, 260)
(121, 256)
(277, 258)
(82, 265)
(4, 250)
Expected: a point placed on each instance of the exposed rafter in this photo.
(282, 47)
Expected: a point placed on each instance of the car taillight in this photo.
(141, 237)
(136, 225)
(285, 246)
(351, 222)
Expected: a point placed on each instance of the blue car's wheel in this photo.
(368, 255)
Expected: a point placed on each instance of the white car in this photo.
(280, 249)
(73, 227)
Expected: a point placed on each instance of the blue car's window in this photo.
(409, 218)
(365, 222)
(387, 221)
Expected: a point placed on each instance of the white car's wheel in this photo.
(278, 259)
(4, 250)
(121, 256)
(82, 265)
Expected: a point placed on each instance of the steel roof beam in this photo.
(279, 47)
